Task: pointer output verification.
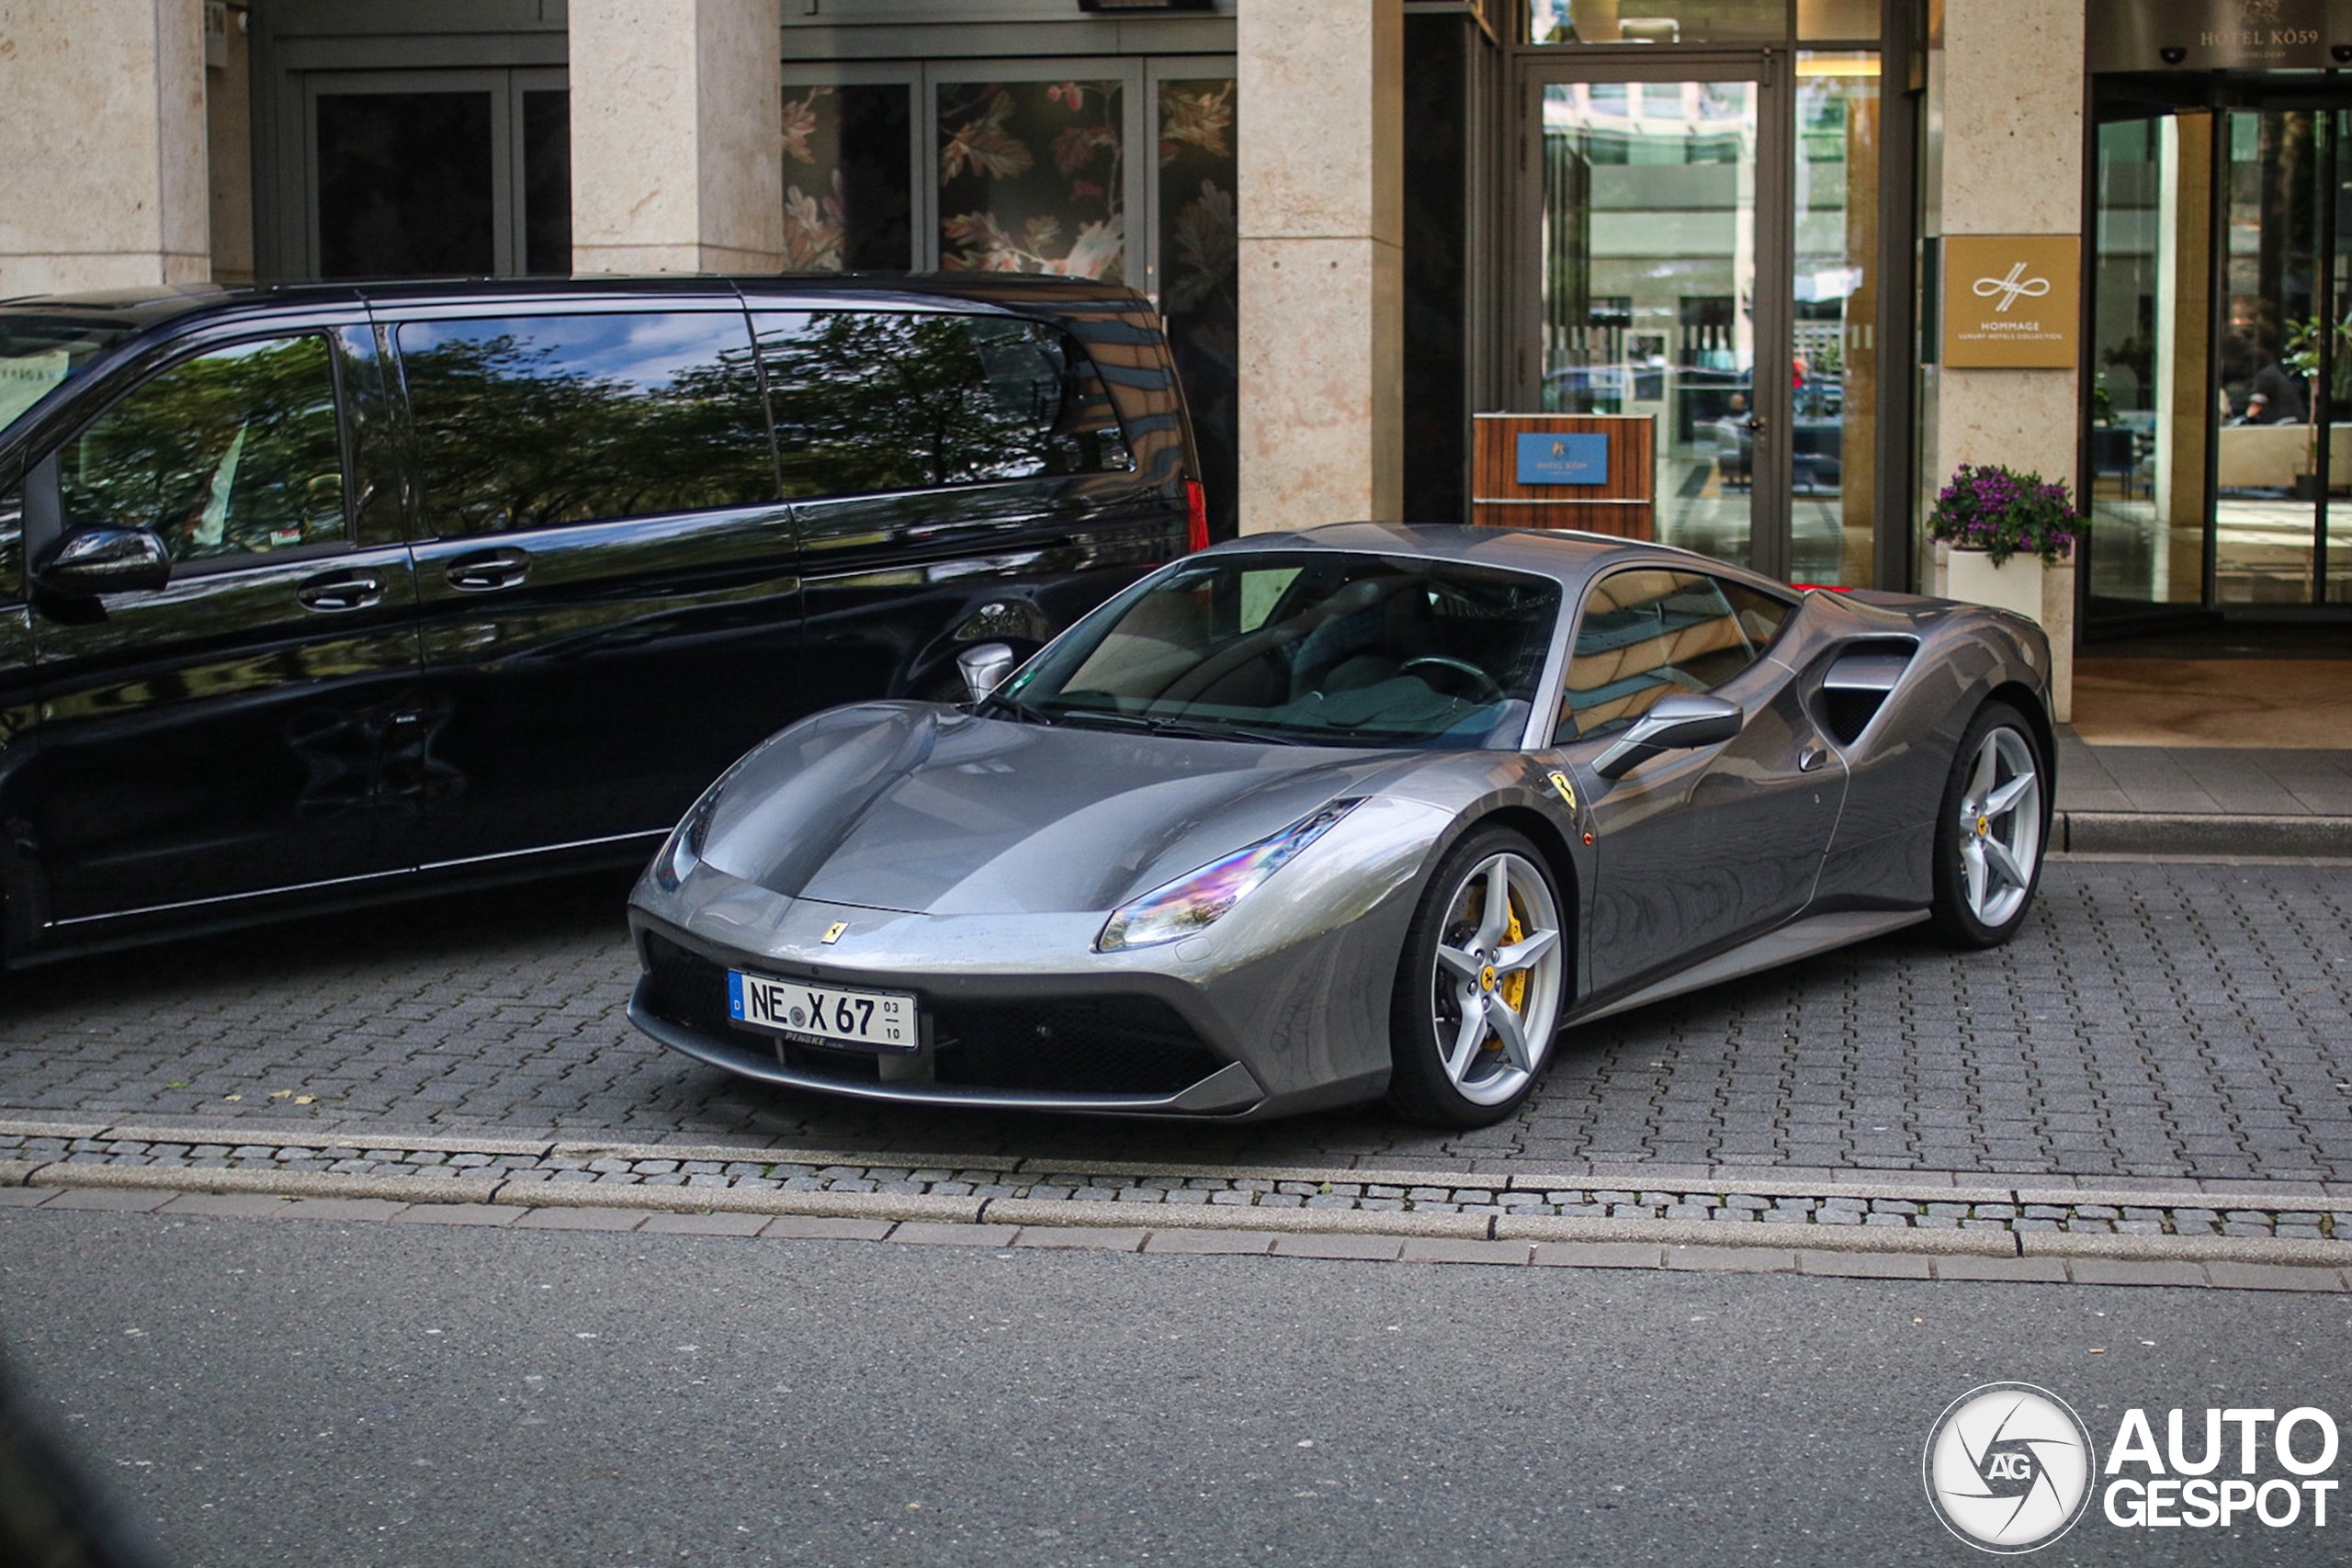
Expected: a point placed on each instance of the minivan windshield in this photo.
(38, 352)
(1313, 648)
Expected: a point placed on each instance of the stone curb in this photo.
(1883, 1239)
(2187, 1248)
(2197, 832)
(309, 1138)
(763, 1201)
(1293, 1222)
(1878, 1252)
(1762, 1181)
(275, 1183)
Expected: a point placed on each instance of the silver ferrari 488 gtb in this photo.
(1311, 818)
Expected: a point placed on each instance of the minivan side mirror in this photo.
(984, 667)
(1677, 723)
(105, 559)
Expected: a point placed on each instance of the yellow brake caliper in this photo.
(1512, 989)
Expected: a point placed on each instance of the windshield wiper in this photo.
(1188, 730)
(995, 703)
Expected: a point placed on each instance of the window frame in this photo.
(44, 486)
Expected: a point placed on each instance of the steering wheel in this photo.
(1485, 690)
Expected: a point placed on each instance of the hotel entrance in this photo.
(2218, 434)
(1701, 234)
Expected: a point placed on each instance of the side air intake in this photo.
(1860, 675)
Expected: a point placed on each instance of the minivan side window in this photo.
(232, 453)
(530, 421)
(873, 400)
(1645, 634)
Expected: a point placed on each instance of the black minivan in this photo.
(316, 594)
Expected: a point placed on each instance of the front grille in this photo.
(1110, 1046)
(1123, 1044)
(686, 988)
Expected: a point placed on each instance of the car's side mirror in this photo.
(984, 667)
(1676, 724)
(105, 559)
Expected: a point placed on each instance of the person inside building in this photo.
(2274, 396)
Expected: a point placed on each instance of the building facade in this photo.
(1768, 224)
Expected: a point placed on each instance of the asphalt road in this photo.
(280, 1392)
(2151, 1019)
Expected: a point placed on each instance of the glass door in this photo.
(437, 174)
(1652, 290)
(1702, 245)
(2280, 362)
(2220, 433)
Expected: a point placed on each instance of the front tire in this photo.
(1480, 987)
(1990, 830)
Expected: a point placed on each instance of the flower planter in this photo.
(2024, 583)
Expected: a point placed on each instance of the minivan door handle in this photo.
(342, 590)
(487, 569)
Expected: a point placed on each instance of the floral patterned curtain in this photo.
(847, 201)
(1030, 178)
(1199, 279)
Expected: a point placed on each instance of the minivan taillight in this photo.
(1196, 515)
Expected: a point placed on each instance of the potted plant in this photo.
(2007, 539)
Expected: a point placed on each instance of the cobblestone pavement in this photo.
(2154, 1020)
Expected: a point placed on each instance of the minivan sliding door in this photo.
(609, 597)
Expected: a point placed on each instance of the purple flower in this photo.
(1989, 507)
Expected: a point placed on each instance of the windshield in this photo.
(39, 352)
(1348, 650)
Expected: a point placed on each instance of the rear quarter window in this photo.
(872, 401)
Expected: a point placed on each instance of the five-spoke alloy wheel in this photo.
(1989, 832)
(1479, 991)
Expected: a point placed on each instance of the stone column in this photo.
(2010, 114)
(1322, 261)
(105, 181)
(676, 135)
(2012, 118)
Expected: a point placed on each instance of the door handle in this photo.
(1812, 757)
(487, 570)
(342, 590)
(1756, 421)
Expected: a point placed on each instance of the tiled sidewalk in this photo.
(2184, 779)
(2193, 800)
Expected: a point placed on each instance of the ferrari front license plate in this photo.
(868, 1020)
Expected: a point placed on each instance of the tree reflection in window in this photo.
(533, 421)
(868, 401)
(235, 452)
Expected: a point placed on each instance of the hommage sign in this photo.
(2011, 301)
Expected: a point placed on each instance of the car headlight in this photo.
(1196, 899)
(682, 851)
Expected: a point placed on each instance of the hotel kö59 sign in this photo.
(2011, 301)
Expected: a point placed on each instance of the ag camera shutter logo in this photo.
(2009, 1468)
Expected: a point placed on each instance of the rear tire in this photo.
(1480, 985)
(1991, 827)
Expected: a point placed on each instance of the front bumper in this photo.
(1281, 1006)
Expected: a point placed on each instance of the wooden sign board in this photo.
(2012, 302)
(1591, 471)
